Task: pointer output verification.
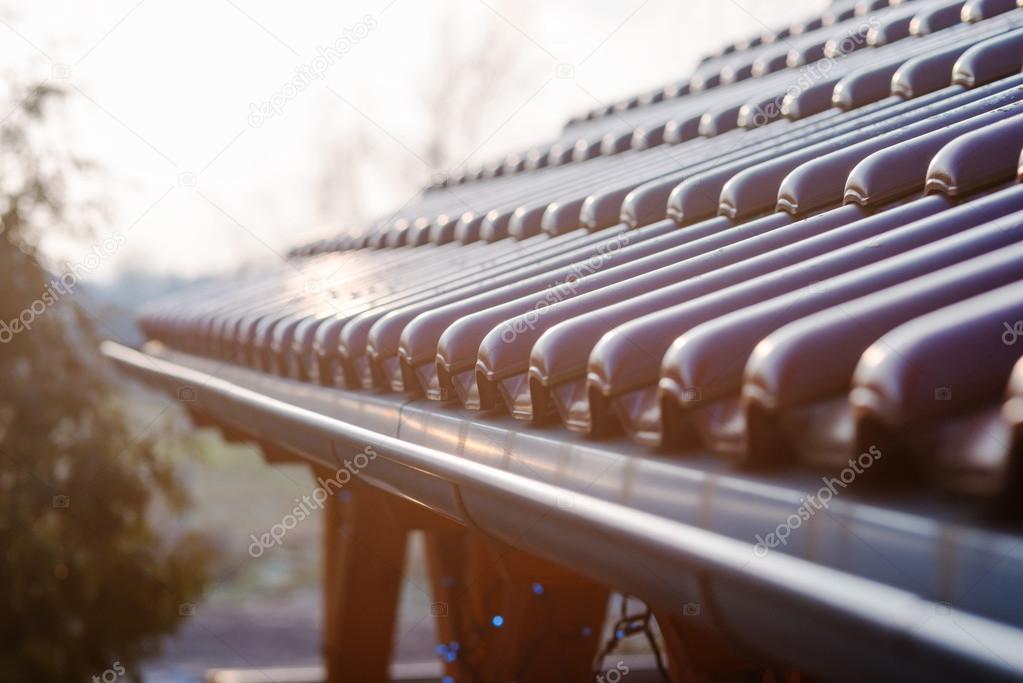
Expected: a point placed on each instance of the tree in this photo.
(88, 585)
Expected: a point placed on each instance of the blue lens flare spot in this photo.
(497, 620)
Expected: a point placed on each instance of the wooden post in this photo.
(364, 556)
(697, 655)
(331, 556)
(447, 562)
(530, 621)
(501, 614)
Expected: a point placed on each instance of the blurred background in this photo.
(197, 137)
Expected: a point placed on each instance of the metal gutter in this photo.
(824, 620)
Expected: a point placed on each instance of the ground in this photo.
(264, 611)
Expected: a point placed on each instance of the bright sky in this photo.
(162, 95)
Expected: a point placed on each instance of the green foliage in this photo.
(87, 584)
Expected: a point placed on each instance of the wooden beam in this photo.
(696, 654)
(364, 557)
(531, 621)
